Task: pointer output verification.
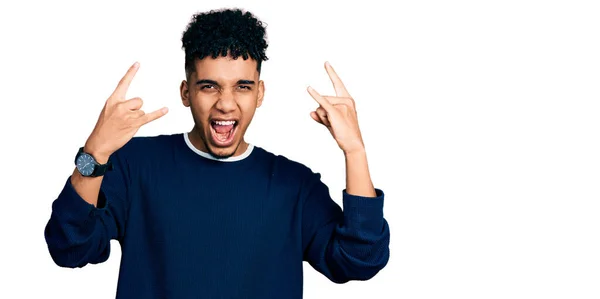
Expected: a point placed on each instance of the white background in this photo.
(480, 120)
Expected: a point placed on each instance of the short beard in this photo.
(200, 134)
(221, 157)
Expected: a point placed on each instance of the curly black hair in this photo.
(224, 32)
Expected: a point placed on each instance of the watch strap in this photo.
(100, 169)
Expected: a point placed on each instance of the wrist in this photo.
(355, 153)
(100, 156)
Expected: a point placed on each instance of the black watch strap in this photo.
(101, 169)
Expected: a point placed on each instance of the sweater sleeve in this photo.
(79, 233)
(352, 244)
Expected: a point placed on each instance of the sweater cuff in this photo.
(363, 212)
(72, 206)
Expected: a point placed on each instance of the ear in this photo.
(261, 93)
(185, 93)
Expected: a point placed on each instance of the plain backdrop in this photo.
(480, 118)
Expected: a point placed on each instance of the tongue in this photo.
(223, 129)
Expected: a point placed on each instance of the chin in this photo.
(224, 137)
(223, 153)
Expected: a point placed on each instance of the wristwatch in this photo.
(88, 166)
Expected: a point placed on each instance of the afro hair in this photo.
(224, 32)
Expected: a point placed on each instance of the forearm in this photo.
(358, 178)
(87, 187)
(348, 245)
(77, 233)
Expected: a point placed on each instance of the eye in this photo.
(244, 87)
(208, 86)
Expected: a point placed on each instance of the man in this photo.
(204, 214)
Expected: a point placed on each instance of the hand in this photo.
(338, 114)
(119, 120)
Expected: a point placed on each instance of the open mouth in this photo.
(223, 131)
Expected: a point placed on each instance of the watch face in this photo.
(85, 164)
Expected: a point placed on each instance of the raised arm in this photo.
(91, 208)
(352, 244)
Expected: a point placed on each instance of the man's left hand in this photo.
(338, 114)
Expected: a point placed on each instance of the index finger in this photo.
(323, 102)
(124, 83)
(338, 85)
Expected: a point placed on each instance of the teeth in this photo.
(225, 123)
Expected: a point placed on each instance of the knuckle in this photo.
(136, 102)
(131, 122)
(120, 107)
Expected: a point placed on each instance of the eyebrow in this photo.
(213, 82)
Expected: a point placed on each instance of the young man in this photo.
(205, 214)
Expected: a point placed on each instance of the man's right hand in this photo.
(119, 120)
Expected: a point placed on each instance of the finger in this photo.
(125, 82)
(323, 116)
(138, 113)
(148, 117)
(133, 104)
(318, 118)
(315, 116)
(339, 100)
(321, 100)
(338, 85)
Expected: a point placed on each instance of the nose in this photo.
(226, 102)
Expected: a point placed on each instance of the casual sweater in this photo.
(192, 226)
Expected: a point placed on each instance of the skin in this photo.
(225, 97)
(118, 122)
(338, 114)
(222, 88)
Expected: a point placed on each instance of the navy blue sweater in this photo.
(194, 227)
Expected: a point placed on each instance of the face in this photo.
(222, 94)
